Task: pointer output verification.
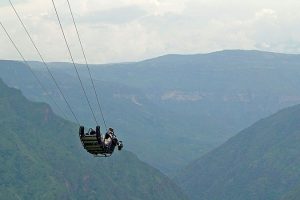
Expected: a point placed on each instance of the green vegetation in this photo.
(176, 106)
(261, 162)
(42, 158)
(294, 194)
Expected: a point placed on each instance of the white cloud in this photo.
(127, 30)
(269, 13)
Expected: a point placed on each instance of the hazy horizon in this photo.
(145, 59)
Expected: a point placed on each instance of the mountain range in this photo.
(175, 106)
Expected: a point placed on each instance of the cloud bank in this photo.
(130, 30)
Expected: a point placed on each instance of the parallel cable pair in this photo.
(87, 65)
(74, 65)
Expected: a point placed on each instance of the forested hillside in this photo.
(261, 162)
(42, 158)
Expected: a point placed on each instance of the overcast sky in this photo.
(132, 30)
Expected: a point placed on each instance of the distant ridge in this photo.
(221, 53)
(224, 54)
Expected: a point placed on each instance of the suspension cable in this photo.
(41, 57)
(33, 73)
(87, 65)
(70, 54)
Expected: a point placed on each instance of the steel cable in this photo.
(33, 73)
(87, 65)
(74, 65)
(45, 64)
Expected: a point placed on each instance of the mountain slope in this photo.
(261, 162)
(158, 101)
(294, 194)
(42, 158)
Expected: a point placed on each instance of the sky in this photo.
(133, 30)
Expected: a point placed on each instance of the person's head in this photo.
(111, 129)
